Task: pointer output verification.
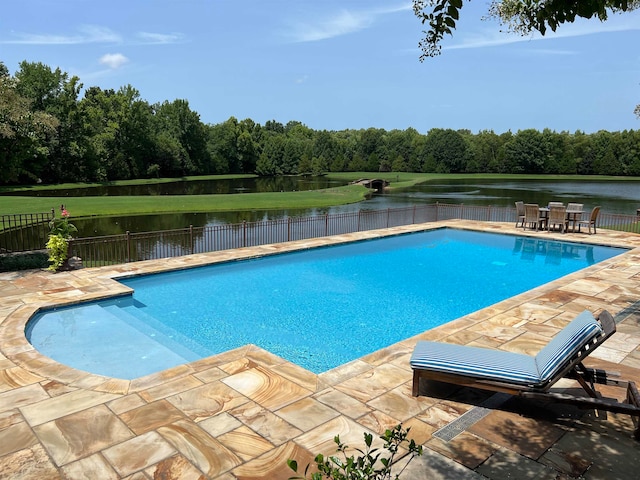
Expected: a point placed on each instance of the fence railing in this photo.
(24, 231)
(133, 247)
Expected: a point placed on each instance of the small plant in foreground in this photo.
(369, 465)
(59, 236)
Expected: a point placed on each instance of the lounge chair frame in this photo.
(573, 369)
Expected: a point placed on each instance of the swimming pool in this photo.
(319, 308)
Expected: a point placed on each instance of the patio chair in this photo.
(557, 216)
(519, 214)
(555, 204)
(532, 217)
(591, 222)
(527, 376)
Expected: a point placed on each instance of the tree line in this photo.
(50, 133)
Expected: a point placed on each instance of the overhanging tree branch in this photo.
(519, 16)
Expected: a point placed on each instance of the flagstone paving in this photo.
(243, 413)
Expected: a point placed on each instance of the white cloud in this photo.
(87, 34)
(92, 34)
(340, 23)
(113, 60)
(159, 38)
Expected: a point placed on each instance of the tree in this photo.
(24, 135)
(222, 144)
(119, 126)
(270, 161)
(41, 85)
(487, 152)
(53, 92)
(447, 149)
(525, 153)
(520, 16)
(177, 120)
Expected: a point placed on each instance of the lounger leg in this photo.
(633, 398)
(416, 384)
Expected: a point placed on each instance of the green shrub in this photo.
(369, 465)
(13, 262)
(58, 244)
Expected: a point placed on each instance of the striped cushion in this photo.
(475, 362)
(554, 356)
(499, 365)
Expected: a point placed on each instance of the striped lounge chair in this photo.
(529, 376)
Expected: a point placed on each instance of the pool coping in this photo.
(15, 346)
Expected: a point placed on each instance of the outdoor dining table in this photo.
(544, 217)
(573, 216)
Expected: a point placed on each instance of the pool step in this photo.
(91, 338)
(149, 325)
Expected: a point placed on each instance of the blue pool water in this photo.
(318, 308)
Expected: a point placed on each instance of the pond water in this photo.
(195, 187)
(614, 197)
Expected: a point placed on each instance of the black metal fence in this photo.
(30, 232)
(133, 247)
(24, 231)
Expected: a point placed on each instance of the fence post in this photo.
(358, 228)
(128, 238)
(437, 210)
(388, 215)
(413, 218)
(326, 224)
(191, 237)
(288, 229)
(244, 233)
(462, 211)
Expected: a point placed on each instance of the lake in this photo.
(614, 197)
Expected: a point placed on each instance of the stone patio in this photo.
(243, 413)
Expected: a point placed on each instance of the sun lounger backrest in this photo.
(566, 344)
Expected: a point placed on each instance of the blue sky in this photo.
(336, 64)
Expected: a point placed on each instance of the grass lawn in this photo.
(129, 205)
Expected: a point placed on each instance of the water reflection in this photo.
(614, 197)
(553, 252)
(196, 187)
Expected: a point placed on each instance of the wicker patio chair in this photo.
(519, 214)
(532, 216)
(557, 216)
(591, 222)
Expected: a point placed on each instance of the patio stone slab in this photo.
(527, 436)
(508, 464)
(138, 453)
(29, 464)
(81, 434)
